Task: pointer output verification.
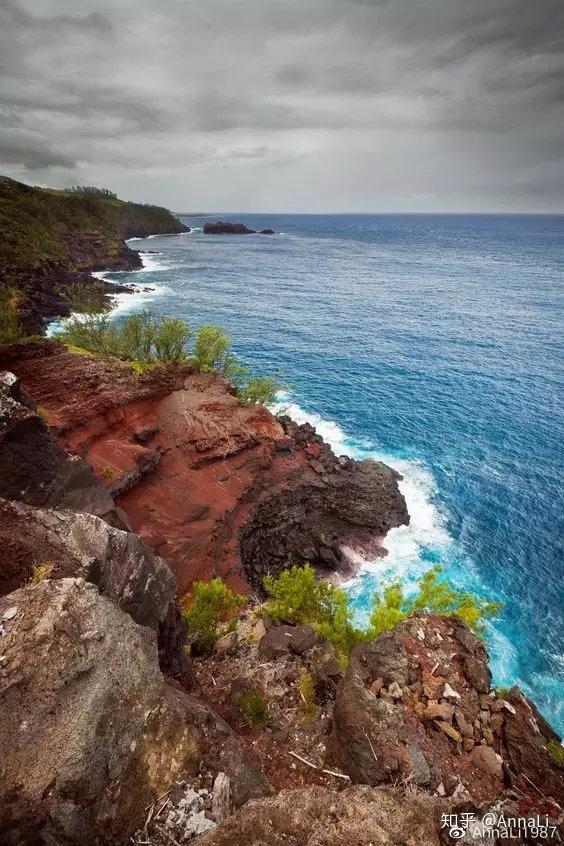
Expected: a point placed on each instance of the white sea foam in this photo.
(405, 544)
(140, 293)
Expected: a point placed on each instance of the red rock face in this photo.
(213, 487)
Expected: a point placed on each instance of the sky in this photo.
(289, 105)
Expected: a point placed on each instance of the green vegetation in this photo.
(433, 596)
(306, 689)
(139, 338)
(212, 601)
(212, 349)
(86, 298)
(254, 708)
(556, 752)
(41, 572)
(296, 596)
(260, 390)
(41, 225)
(92, 189)
(10, 329)
(144, 340)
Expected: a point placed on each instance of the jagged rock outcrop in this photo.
(63, 543)
(34, 467)
(415, 704)
(91, 733)
(316, 816)
(213, 487)
(312, 517)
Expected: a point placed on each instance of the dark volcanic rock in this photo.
(310, 519)
(34, 467)
(267, 232)
(222, 227)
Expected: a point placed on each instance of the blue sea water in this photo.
(435, 343)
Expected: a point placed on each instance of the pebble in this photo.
(10, 613)
(395, 690)
(3, 660)
(449, 693)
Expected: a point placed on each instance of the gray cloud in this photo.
(306, 105)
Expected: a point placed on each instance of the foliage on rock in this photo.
(297, 596)
(212, 601)
(253, 707)
(434, 596)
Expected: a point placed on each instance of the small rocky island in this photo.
(221, 227)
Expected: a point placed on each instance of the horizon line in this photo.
(372, 213)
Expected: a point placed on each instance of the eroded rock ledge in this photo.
(212, 487)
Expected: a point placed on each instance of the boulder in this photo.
(267, 232)
(91, 734)
(63, 543)
(223, 227)
(34, 467)
(380, 737)
(317, 816)
(276, 642)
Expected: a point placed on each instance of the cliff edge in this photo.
(51, 238)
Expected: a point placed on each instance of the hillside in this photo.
(51, 238)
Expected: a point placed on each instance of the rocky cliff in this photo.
(213, 487)
(53, 238)
(117, 490)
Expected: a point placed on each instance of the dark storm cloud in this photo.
(309, 104)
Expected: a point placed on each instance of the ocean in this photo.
(434, 343)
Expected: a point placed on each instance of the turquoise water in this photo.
(433, 342)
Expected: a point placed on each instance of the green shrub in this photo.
(433, 596)
(298, 597)
(212, 349)
(556, 752)
(171, 339)
(10, 329)
(139, 338)
(211, 602)
(259, 390)
(86, 298)
(306, 689)
(254, 708)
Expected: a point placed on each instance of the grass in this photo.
(253, 707)
(41, 572)
(556, 752)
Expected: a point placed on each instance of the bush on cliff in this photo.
(260, 390)
(144, 339)
(137, 338)
(433, 596)
(211, 602)
(296, 596)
